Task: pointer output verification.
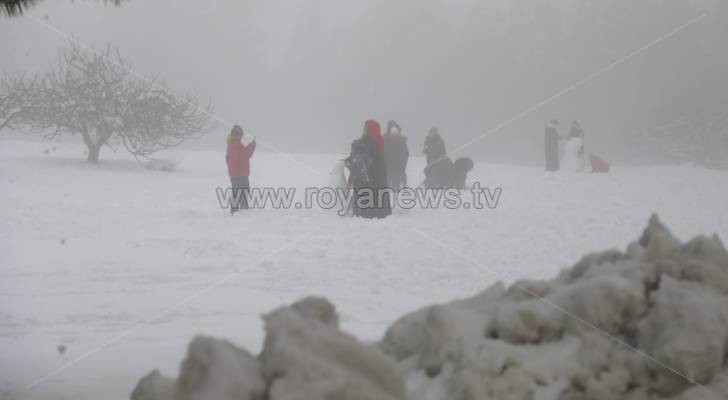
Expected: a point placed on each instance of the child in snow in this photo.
(358, 162)
(238, 163)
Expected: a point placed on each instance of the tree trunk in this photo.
(93, 154)
(94, 146)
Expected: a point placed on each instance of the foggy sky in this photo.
(303, 75)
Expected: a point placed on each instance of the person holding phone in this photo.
(238, 163)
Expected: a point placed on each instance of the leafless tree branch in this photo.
(93, 94)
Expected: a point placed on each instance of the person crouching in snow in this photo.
(238, 163)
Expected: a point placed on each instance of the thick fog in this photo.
(144, 235)
(304, 75)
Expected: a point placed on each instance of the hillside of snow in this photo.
(99, 263)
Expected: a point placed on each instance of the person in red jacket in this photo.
(374, 131)
(238, 163)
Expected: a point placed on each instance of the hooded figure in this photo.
(439, 168)
(374, 131)
(396, 155)
(238, 163)
(368, 174)
(551, 146)
(434, 148)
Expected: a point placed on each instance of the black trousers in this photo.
(240, 183)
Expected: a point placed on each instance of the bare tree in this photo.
(158, 119)
(94, 94)
(19, 99)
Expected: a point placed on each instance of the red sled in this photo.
(599, 166)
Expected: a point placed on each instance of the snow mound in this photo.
(154, 387)
(650, 322)
(213, 369)
(216, 369)
(305, 356)
(647, 323)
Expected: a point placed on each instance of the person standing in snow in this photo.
(439, 168)
(396, 155)
(368, 174)
(238, 163)
(434, 148)
(551, 146)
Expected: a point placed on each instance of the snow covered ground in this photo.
(88, 253)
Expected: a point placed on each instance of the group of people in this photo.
(377, 166)
(441, 171)
(379, 162)
(567, 152)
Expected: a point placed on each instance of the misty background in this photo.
(304, 75)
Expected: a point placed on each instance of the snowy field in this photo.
(89, 253)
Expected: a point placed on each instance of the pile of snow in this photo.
(647, 323)
(305, 357)
(573, 156)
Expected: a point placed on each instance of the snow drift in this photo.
(650, 322)
(305, 357)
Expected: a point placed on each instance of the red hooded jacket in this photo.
(373, 130)
(238, 157)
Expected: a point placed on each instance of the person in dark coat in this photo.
(368, 174)
(551, 146)
(396, 155)
(439, 168)
(238, 163)
(358, 164)
(434, 148)
(460, 170)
